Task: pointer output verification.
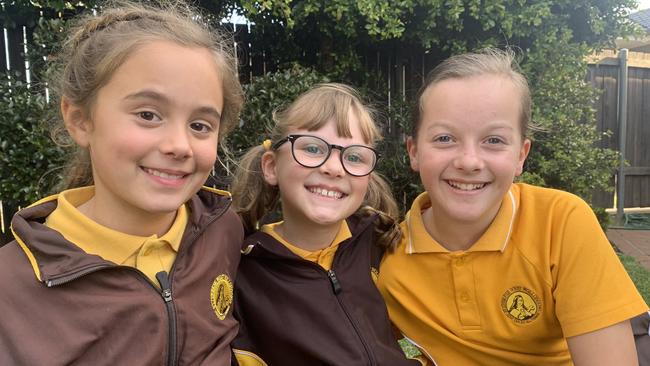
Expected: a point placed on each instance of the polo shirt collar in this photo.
(97, 239)
(496, 237)
(342, 235)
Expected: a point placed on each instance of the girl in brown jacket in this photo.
(305, 293)
(120, 270)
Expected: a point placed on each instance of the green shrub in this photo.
(29, 161)
(263, 95)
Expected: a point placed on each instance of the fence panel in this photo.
(604, 76)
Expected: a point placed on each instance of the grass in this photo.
(409, 349)
(640, 276)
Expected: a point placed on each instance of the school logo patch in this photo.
(221, 296)
(521, 304)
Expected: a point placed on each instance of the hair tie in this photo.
(267, 145)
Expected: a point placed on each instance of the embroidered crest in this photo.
(521, 304)
(221, 296)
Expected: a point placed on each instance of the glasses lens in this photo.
(359, 160)
(310, 151)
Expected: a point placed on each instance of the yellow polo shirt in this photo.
(542, 271)
(322, 257)
(148, 254)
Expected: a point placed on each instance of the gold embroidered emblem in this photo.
(521, 304)
(221, 295)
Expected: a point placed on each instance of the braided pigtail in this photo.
(379, 200)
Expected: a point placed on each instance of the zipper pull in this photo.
(163, 279)
(336, 286)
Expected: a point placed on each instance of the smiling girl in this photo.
(305, 293)
(117, 269)
(492, 272)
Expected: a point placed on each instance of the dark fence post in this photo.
(622, 122)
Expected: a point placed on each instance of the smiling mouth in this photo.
(163, 175)
(467, 186)
(326, 193)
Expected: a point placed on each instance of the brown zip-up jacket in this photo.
(62, 306)
(292, 312)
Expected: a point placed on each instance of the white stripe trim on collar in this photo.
(512, 219)
(409, 247)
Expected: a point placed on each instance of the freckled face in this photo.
(469, 147)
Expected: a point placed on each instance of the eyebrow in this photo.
(491, 125)
(150, 94)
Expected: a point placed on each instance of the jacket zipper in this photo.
(336, 288)
(163, 279)
(73, 276)
(166, 293)
(166, 288)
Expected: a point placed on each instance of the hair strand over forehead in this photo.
(487, 61)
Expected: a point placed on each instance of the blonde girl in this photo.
(305, 293)
(524, 275)
(132, 264)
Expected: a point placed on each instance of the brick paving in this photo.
(635, 243)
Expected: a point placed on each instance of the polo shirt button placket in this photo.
(464, 297)
(459, 261)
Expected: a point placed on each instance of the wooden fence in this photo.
(604, 75)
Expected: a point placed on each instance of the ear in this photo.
(412, 149)
(78, 126)
(523, 154)
(269, 166)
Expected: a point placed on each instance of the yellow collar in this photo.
(495, 238)
(96, 239)
(343, 234)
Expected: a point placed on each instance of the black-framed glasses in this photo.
(312, 152)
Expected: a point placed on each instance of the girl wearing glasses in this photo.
(305, 292)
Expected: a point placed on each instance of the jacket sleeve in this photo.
(641, 329)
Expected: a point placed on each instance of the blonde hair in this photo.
(98, 44)
(487, 61)
(253, 197)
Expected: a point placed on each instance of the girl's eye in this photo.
(494, 140)
(354, 158)
(443, 139)
(313, 149)
(200, 127)
(147, 115)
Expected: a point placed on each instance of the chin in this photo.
(163, 206)
(327, 220)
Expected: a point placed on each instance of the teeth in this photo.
(163, 175)
(326, 193)
(467, 186)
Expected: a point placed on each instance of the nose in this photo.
(176, 141)
(333, 165)
(469, 159)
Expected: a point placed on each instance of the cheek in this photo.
(206, 156)
(360, 185)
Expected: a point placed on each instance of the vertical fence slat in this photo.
(3, 52)
(16, 54)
